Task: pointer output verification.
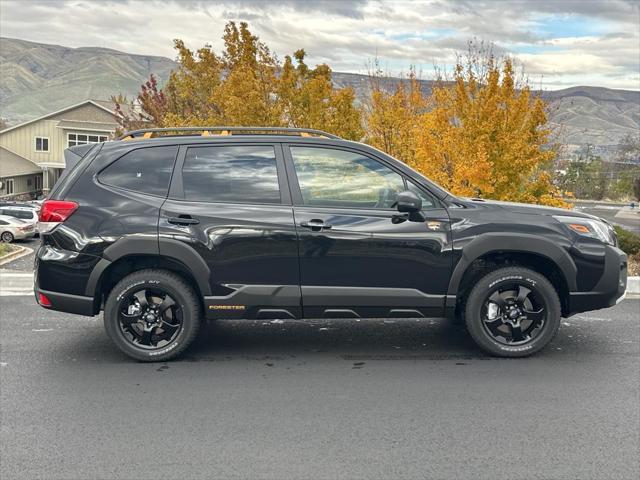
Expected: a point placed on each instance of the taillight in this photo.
(43, 300)
(54, 212)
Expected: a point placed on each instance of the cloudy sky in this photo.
(559, 42)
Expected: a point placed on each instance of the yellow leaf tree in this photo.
(392, 113)
(245, 85)
(481, 133)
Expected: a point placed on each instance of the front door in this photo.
(357, 257)
(231, 204)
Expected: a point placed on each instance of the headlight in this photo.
(589, 227)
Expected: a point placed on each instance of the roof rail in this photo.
(207, 131)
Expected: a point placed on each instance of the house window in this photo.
(9, 187)
(42, 144)
(38, 182)
(74, 139)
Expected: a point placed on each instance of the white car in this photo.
(28, 214)
(12, 228)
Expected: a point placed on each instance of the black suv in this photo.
(232, 223)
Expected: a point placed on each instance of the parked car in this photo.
(286, 223)
(26, 213)
(12, 228)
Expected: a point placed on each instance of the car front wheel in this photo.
(513, 312)
(152, 315)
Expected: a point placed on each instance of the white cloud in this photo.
(602, 47)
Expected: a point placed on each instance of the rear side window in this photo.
(233, 174)
(144, 170)
(18, 214)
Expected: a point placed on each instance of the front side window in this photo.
(74, 139)
(42, 144)
(329, 177)
(144, 170)
(231, 174)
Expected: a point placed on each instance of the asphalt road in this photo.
(330, 399)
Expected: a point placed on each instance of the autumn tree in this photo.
(392, 114)
(309, 99)
(481, 132)
(246, 85)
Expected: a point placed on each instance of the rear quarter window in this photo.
(144, 170)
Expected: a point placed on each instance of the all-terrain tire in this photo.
(492, 282)
(158, 280)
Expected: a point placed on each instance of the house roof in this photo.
(104, 105)
(13, 165)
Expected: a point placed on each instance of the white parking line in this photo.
(15, 283)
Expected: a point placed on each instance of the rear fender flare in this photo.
(166, 247)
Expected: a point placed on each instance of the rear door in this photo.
(231, 204)
(357, 257)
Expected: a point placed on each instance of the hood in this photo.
(528, 209)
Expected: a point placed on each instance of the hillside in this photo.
(39, 78)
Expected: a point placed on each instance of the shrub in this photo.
(628, 242)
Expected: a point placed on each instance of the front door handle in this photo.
(316, 225)
(183, 220)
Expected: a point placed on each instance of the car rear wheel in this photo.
(513, 312)
(152, 315)
(6, 237)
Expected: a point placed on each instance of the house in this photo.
(32, 153)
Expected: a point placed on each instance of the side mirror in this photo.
(408, 202)
(409, 205)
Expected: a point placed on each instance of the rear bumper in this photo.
(64, 302)
(610, 288)
(62, 277)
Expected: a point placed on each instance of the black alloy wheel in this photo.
(150, 318)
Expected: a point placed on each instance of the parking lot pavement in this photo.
(325, 399)
(617, 214)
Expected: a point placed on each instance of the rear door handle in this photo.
(183, 220)
(315, 225)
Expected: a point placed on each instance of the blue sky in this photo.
(559, 43)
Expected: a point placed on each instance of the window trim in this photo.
(116, 188)
(94, 134)
(176, 190)
(35, 144)
(296, 192)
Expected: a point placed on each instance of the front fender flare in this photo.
(513, 242)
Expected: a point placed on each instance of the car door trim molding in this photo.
(329, 296)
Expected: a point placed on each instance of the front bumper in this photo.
(609, 290)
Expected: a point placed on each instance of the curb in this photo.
(633, 286)
(10, 257)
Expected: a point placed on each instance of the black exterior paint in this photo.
(275, 261)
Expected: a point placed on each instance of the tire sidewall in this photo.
(493, 281)
(133, 284)
(11, 237)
